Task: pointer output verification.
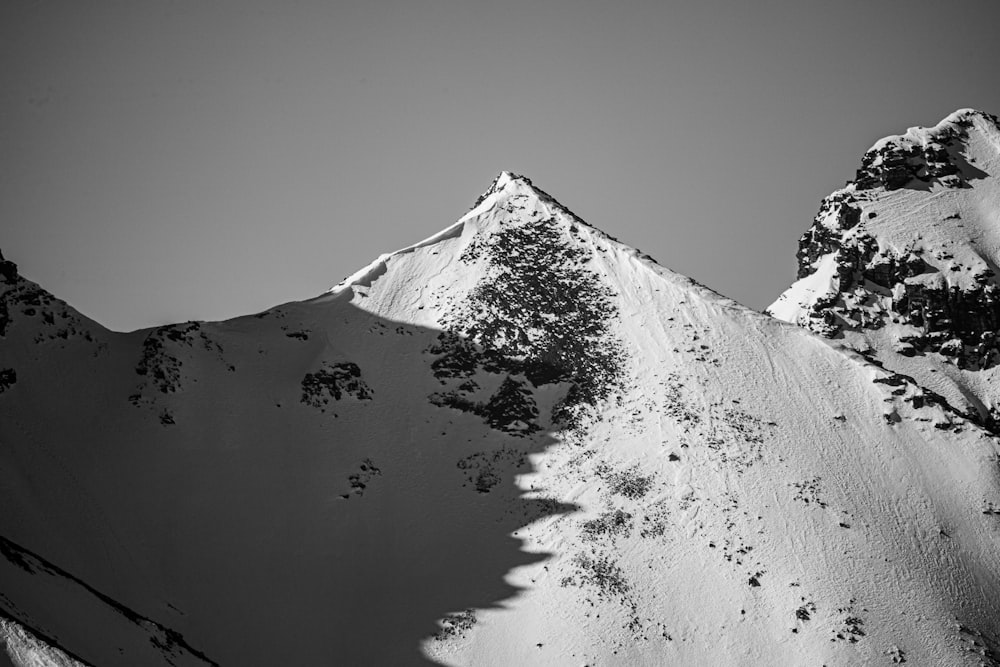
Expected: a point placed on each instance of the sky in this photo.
(163, 161)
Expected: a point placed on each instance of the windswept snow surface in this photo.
(519, 442)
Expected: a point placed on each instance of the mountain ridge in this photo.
(516, 442)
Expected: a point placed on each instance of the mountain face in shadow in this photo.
(517, 442)
(260, 510)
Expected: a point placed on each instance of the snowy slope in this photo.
(518, 442)
(902, 262)
(23, 649)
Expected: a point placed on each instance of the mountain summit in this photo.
(902, 262)
(517, 442)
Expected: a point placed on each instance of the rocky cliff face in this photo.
(920, 160)
(909, 250)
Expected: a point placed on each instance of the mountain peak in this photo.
(509, 185)
(506, 178)
(505, 182)
(511, 199)
(968, 115)
(923, 156)
(903, 262)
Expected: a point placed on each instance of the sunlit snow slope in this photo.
(518, 442)
(901, 263)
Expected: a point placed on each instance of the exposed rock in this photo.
(947, 303)
(334, 381)
(8, 376)
(905, 162)
(8, 270)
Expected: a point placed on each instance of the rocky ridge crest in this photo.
(907, 249)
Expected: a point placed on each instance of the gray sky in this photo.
(164, 161)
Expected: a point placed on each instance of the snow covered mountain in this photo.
(902, 263)
(517, 442)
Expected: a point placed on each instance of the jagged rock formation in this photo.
(920, 160)
(519, 442)
(902, 262)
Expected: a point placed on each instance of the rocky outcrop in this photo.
(8, 271)
(918, 162)
(8, 378)
(874, 287)
(935, 285)
(824, 238)
(334, 381)
(52, 319)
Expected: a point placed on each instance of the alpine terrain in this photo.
(521, 442)
(901, 264)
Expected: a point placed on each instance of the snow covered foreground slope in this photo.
(902, 262)
(518, 442)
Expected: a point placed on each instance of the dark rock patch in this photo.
(334, 381)
(8, 377)
(540, 313)
(360, 480)
(617, 523)
(628, 483)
